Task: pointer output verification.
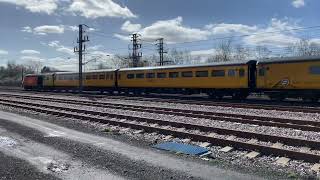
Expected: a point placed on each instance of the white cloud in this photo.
(224, 28)
(76, 28)
(3, 52)
(172, 31)
(298, 3)
(32, 58)
(99, 8)
(52, 29)
(46, 29)
(65, 50)
(129, 27)
(279, 33)
(27, 29)
(36, 6)
(29, 51)
(207, 52)
(61, 48)
(95, 47)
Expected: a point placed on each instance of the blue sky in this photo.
(45, 30)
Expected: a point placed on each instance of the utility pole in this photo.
(80, 49)
(161, 51)
(135, 56)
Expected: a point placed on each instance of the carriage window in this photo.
(76, 77)
(94, 76)
(102, 76)
(231, 72)
(111, 76)
(140, 75)
(218, 73)
(262, 72)
(107, 76)
(241, 72)
(173, 74)
(202, 74)
(161, 75)
(151, 75)
(314, 70)
(187, 74)
(130, 76)
(88, 77)
(47, 78)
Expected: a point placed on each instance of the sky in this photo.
(46, 30)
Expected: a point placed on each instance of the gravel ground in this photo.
(12, 168)
(264, 165)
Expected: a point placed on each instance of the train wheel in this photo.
(310, 99)
(276, 97)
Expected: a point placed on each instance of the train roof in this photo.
(228, 63)
(91, 71)
(289, 59)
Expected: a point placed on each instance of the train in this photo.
(278, 78)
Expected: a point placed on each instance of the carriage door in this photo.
(262, 73)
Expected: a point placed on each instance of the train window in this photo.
(130, 76)
(314, 70)
(187, 74)
(88, 77)
(111, 76)
(47, 78)
(140, 75)
(107, 75)
(262, 71)
(94, 76)
(202, 74)
(241, 72)
(218, 73)
(231, 72)
(161, 75)
(151, 75)
(102, 76)
(76, 77)
(173, 74)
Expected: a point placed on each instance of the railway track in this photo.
(304, 125)
(177, 129)
(308, 108)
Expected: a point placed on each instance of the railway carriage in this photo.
(102, 80)
(290, 77)
(278, 78)
(216, 79)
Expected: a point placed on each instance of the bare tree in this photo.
(179, 57)
(304, 48)
(261, 52)
(223, 52)
(241, 53)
